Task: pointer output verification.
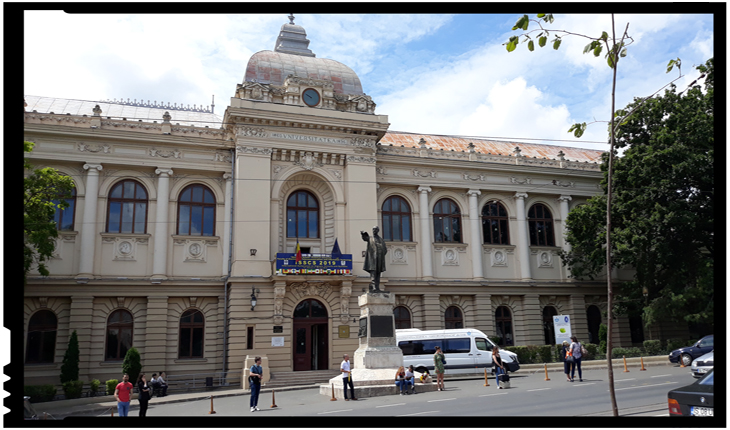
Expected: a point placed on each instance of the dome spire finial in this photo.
(291, 18)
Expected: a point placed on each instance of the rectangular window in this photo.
(196, 221)
(184, 342)
(139, 217)
(127, 217)
(420, 347)
(114, 214)
(184, 227)
(208, 221)
(460, 345)
(249, 337)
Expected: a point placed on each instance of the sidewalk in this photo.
(105, 405)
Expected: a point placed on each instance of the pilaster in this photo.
(578, 317)
(484, 318)
(89, 228)
(156, 341)
(476, 241)
(424, 242)
(159, 258)
(523, 240)
(80, 320)
(532, 320)
(432, 312)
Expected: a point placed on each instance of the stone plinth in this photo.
(378, 348)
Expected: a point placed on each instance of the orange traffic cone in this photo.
(333, 393)
(626, 369)
(273, 398)
(546, 374)
(486, 381)
(642, 364)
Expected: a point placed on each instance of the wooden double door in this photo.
(311, 336)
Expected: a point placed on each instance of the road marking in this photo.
(419, 413)
(441, 400)
(334, 412)
(582, 384)
(622, 380)
(495, 394)
(540, 389)
(660, 376)
(643, 386)
(387, 406)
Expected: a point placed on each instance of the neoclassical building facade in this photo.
(178, 217)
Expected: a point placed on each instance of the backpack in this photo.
(583, 350)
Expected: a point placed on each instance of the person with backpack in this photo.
(563, 357)
(577, 350)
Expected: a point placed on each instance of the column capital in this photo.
(564, 198)
(167, 172)
(91, 167)
(423, 189)
(520, 195)
(473, 193)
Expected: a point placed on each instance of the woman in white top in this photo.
(577, 355)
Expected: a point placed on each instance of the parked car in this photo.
(694, 400)
(689, 353)
(703, 364)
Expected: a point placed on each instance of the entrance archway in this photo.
(593, 315)
(548, 313)
(310, 336)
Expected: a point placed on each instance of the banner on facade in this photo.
(562, 328)
(313, 264)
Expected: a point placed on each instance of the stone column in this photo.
(564, 209)
(159, 259)
(425, 239)
(523, 239)
(89, 228)
(227, 222)
(476, 241)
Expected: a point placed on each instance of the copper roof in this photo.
(494, 147)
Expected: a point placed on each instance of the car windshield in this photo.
(709, 379)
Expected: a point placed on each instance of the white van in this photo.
(465, 350)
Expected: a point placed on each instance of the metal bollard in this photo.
(486, 381)
(626, 369)
(273, 398)
(546, 374)
(211, 406)
(642, 364)
(333, 393)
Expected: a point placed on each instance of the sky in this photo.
(446, 74)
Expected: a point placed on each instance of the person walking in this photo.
(438, 366)
(144, 394)
(498, 365)
(566, 365)
(575, 347)
(123, 394)
(254, 381)
(347, 377)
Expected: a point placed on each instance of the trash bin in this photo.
(209, 381)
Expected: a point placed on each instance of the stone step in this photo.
(363, 391)
(311, 377)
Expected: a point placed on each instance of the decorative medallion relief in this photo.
(450, 255)
(195, 250)
(399, 254)
(544, 258)
(309, 161)
(499, 257)
(125, 249)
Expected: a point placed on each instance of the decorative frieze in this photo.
(174, 153)
(83, 147)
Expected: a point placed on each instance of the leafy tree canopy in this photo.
(41, 186)
(663, 207)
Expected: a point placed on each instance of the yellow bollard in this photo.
(546, 374)
(486, 381)
(626, 369)
(273, 398)
(211, 406)
(333, 393)
(642, 364)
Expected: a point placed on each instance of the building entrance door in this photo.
(310, 336)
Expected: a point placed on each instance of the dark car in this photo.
(689, 353)
(694, 400)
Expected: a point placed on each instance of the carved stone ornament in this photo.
(311, 288)
(477, 177)
(165, 154)
(419, 174)
(251, 150)
(308, 161)
(499, 258)
(125, 249)
(398, 255)
(450, 257)
(544, 259)
(83, 147)
(195, 251)
(355, 159)
(247, 131)
(360, 142)
(559, 183)
(521, 182)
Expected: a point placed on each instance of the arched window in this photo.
(495, 224)
(196, 211)
(453, 318)
(310, 308)
(127, 208)
(396, 219)
(503, 318)
(402, 317)
(192, 326)
(41, 345)
(119, 329)
(548, 313)
(302, 215)
(447, 221)
(64, 218)
(540, 222)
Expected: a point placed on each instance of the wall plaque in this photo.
(278, 329)
(344, 331)
(381, 326)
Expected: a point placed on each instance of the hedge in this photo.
(40, 393)
(111, 386)
(73, 389)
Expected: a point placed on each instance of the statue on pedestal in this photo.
(374, 258)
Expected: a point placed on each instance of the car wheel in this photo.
(686, 359)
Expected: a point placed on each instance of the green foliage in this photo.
(41, 186)
(132, 364)
(111, 386)
(619, 352)
(653, 347)
(73, 389)
(662, 209)
(496, 339)
(40, 393)
(530, 354)
(602, 337)
(70, 366)
(593, 352)
(94, 385)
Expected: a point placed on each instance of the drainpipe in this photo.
(230, 263)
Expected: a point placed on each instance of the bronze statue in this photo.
(374, 258)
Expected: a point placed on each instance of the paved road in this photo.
(638, 393)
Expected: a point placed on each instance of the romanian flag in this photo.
(299, 253)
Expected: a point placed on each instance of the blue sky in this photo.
(430, 73)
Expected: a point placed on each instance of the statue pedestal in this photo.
(378, 358)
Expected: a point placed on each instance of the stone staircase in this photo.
(304, 378)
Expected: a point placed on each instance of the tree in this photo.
(663, 208)
(615, 50)
(70, 366)
(132, 364)
(42, 186)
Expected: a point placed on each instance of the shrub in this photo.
(70, 367)
(94, 386)
(673, 344)
(132, 364)
(523, 354)
(40, 393)
(653, 347)
(619, 352)
(602, 338)
(593, 352)
(72, 389)
(544, 354)
(111, 386)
